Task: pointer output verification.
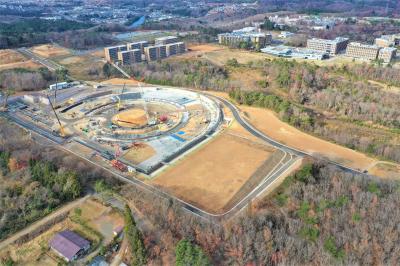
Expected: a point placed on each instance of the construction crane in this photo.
(145, 103)
(119, 98)
(62, 132)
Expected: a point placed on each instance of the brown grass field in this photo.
(120, 81)
(10, 59)
(213, 174)
(139, 154)
(48, 50)
(8, 56)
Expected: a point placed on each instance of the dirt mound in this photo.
(132, 118)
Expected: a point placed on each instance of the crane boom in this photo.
(62, 132)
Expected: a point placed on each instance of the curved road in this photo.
(255, 132)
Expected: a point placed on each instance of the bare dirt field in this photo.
(48, 50)
(267, 121)
(119, 81)
(204, 47)
(8, 56)
(139, 154)
(71, 60)
(220, 57)
(212, 175)
(25, 64)
(10, 59)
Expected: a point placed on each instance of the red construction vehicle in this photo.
(118, 165)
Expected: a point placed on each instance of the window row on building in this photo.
(137, 52)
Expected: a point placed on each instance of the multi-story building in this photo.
(384, 41)
(130, 57)
(332, 47)
(166, 40)
(111, 53)
(235, 38)
(387, 54)
(362, 51)
(176, 48)
(156, 52)
(138, 45)
(181, 47)
(388, 40)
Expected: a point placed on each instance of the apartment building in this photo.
(130, 57)
(388, 40)
(111, 53)
(362, 51)
(387, 54)
(153, 53)
(235, 38)
(175, 48)
(332, 47)
(138, 45)
(166, 40)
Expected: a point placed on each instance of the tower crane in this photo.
(62, 132)
(119, 98)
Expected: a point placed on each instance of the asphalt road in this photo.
(46, 62)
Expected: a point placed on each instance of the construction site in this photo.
(176, 142)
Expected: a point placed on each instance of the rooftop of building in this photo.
(166, 38)
(243, 34)
(388, 49)
(362, 45)
(335, 41)
(68, 243)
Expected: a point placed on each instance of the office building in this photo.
(362, 51)
(130, 57)
(153, 53)
(236, 38)
(138, 45)
(387, 54)
(332, 47)
(166, 40)
(111, 53)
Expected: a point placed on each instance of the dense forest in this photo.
(352, 105)
(319, 215)
(316, 99)
(68, 33)
(21, 79)
(186, 73)
(36, 179)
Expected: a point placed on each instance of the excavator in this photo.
(62, 131)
